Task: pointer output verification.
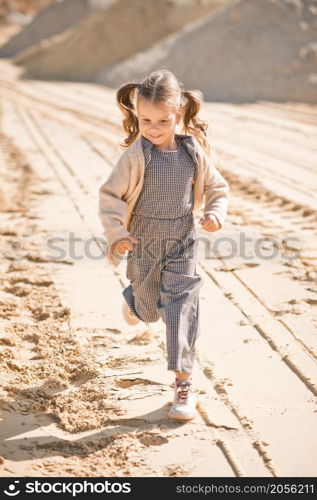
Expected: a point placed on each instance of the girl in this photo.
(147, 207)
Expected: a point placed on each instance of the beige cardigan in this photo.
(119, 193)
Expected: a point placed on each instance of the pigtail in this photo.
(192, 124)
(124, 99)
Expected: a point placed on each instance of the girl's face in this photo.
(157, 122)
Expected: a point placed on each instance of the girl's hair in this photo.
(162, 87)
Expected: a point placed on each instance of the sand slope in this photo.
(250, 50)
(53, 19)
(102, 40)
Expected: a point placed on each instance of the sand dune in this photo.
(53, 19)
(249, 50)
(83, 52)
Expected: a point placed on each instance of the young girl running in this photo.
(147, 207)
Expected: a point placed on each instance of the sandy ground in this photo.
(82, 393)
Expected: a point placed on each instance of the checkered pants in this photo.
(164, 283)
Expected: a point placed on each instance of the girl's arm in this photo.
(216, 189)
(112, 207)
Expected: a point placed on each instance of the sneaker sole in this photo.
(182, 417)
(130, 321)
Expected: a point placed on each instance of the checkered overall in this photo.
(161, 267)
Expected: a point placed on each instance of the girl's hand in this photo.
(121, 246)
(209, 222)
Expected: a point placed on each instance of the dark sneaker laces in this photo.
(182, 390)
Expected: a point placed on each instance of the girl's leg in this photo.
(182, 329)
(182, 376)
(143, 271)
(179, 305)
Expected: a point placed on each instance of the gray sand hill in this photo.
(115, 34)
(251, 49)
(53, 19)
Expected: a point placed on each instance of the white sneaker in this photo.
(184, 405)
(128, 315)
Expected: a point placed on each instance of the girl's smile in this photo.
(157, 123)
